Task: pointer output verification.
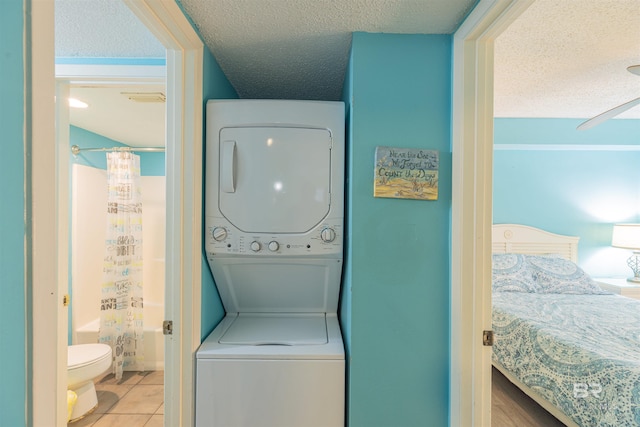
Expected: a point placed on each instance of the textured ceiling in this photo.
(112, 113)
(102, 28)
(568, 59)
(298, 49)
(561, 58)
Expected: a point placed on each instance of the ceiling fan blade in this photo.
(608, 114)
(635, 69)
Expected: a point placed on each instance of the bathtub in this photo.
(153, 342)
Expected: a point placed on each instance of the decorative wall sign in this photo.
(406, 173)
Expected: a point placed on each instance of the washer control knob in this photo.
(273, 246)
(255, 246)
(328, 235)
(219, 234)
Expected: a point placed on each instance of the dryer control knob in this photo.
(219, 234)
(255, 246)
(273, 246)
(328, 235)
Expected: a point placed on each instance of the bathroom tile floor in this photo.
(137, 400)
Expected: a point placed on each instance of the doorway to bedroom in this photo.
(562, 197)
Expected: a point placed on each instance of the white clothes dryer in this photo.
(274, 214)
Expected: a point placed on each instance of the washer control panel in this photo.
(222, 238)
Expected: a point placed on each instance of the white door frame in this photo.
(47, 374)
(46, 382)
(471, 210)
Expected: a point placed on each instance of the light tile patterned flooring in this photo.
(137, 400)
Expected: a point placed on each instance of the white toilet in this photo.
(84, 363)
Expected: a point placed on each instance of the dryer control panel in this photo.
(223, 238)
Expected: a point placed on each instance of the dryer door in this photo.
(275, 179)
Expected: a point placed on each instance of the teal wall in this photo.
(549, 175)
(396, 287)
(215, 86)
(151, 164)
(13, 312)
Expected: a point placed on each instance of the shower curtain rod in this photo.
(76, 150)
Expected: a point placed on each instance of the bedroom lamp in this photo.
(627, 236)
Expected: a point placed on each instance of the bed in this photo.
(571, 346)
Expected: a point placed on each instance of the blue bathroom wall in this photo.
(549, 175)
(215, 86)
(13, 313)
(151, 164)
(396, 288)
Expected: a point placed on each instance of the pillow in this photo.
(555, 275)
(511, 274)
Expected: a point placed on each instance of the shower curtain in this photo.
(121, 322)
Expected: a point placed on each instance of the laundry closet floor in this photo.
(137, 400)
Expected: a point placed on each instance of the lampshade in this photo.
(626, 236)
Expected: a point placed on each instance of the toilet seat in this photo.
(81, 355)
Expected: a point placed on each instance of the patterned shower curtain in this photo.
(121, 298)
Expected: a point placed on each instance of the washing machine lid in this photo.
(274, 179)
(277, 284)
(276, 329)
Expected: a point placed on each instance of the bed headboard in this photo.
(522, 239)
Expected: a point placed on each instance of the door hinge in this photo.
(167, 327)
(66, 299)
(487, 338)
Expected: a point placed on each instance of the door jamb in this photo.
(183, 266)
(471, 210)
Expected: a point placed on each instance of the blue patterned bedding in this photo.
(581, 352)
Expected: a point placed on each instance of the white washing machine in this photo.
(274, 208)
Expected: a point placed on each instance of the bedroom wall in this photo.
(13, 312)
(395, 301)
(548, 175)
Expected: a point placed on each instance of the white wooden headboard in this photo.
(522, 239)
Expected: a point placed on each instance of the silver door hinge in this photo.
(167, 327)
(487, 338)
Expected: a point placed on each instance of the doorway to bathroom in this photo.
(184, 205)
(114, 122)
(110, 63)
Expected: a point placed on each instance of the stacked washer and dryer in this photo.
(274, 209)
